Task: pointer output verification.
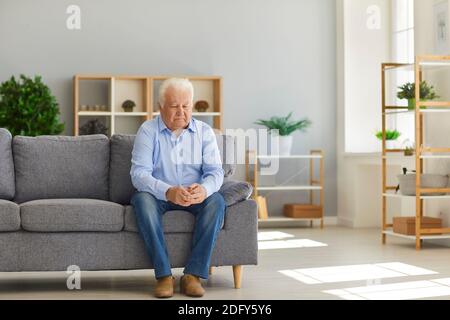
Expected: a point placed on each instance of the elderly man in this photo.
(176, 165)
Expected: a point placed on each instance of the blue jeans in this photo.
(209, 217)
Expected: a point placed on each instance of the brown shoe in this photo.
(164, 287)
(191, 286)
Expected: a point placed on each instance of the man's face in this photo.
(177, 110)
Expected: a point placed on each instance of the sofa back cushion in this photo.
(49, 167)
(7, 186)
(120, 187)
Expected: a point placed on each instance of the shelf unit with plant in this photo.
(284, 127)
(421, 101)
(112, 104)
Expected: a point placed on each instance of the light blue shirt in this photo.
(161, 160)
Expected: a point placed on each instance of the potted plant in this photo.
(28, 108)
(391, 137)
(408, 91)
(408, 147)
(93, 127)
(128, 105)
(285, 128)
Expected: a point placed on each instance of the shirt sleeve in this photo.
(213, 174)
(142, 165)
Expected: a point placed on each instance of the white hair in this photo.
(176, 83)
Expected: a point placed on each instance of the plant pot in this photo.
(391, 144)
(128, 109)
(412, 104)
(285, 145)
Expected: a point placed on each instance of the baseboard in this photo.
(292, 223)
(330, 221)
(345, 222)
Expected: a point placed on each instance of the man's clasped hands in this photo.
(186, 196)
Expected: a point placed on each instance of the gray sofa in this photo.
(66, 201)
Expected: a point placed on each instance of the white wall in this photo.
(360, 52)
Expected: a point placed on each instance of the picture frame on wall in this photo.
(441, 25)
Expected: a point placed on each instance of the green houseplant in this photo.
(128, 105)
(285, 127)
(28, 108)
(408, 92)
(391, 137)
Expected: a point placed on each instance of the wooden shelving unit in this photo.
(315, 184)
(421, 152)
(112, 90)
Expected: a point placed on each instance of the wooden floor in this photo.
(344, 247)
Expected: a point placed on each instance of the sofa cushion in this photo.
(9, 216)
(7, 186)
(173, 221)
(235, 191)
(63, 215)
(120, 187)
(49, 167)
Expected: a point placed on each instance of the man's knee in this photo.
(142, 197)
(216, 201)
(144, 200)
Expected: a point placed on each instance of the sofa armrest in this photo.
(242, 217)
(237, 243)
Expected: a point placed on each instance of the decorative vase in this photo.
(285, 145)
(201, 106)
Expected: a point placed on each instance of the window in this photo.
(403, 52)
(403, 30)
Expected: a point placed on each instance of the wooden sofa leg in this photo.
(210, 270)
(237, 274)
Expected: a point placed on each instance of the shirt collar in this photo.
(162, 125)
(192, 127)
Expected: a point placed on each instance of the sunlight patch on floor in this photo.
(355, 272)
(273, 235)
(396, 291)
(289, 244)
